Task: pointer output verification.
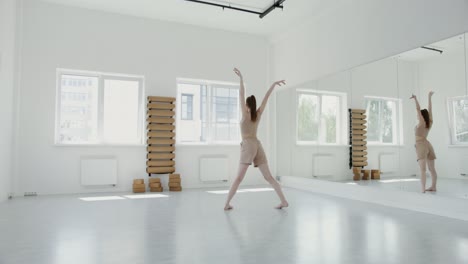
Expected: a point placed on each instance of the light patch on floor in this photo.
(146, 196)
(101, 198)
(398, 180)
(242, 190)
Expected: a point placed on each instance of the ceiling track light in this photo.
(432, 49)
(276, 4)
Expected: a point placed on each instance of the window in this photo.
(458, 116)
(187, 106)
(321, 117)
(209, 112)
(97, 108)
(383, 120)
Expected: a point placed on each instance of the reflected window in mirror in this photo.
(321, 117)
(383, 120)
(458, 116)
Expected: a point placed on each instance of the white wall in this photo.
(7, 76)
(362, 31)
(54, 36)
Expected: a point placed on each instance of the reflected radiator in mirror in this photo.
(388, 163)
(323, 166)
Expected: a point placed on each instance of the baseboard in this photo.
(425, 203)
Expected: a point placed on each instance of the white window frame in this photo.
(181, 103)
(452, 120)
(342, 130)
(209, 84)
(101, 78)
(397, 125)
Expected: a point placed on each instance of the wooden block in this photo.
(155, 120)
(161, 134)
(359, 137)
(174, 176)
(160, 149)
(359, 164)
(358, 132)
(139, 190)
(357, 177)
(159, 189)
(359, 148)
(365, 174)
(160, 170)
(152, 99)
(161, 113)
(174, 184)
(359, 111)
(155, 185)
(160, 106)
(356, 170)
(159, 141)
(175, 180)
(160, 156)
(138, 185)
(175, 189)
(375, 174)
(358, 121)
(359, 159)
(154, 180)
(156, 127)
(160, 163)
(359, 153)
(138, 181)
(358, 116)
(359, 143)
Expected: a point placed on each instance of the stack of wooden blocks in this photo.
(375, 174)
(139, 186)
(161, 142)
(155, 185)
(358, 141)
(175, 183)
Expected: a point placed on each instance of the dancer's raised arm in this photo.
(267, 95)
(418, 110)
(430, 105)
(241, 91)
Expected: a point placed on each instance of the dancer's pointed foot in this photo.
(228, 207)
(282, 205)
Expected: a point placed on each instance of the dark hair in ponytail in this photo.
(425, 115)
(252, 104)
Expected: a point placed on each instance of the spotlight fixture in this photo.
(276, 4)
(433, 49)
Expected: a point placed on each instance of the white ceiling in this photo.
(448, 46)
(181, 11)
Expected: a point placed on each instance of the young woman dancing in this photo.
(251, 148)
(424, 149)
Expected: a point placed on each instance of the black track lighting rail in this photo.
(276, 4)
(433, 49)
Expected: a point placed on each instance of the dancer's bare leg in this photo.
(235, 185)
(267, 175)
(431, 165)
(422, 167)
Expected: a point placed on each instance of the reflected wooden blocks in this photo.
(139, 186)
(155, 185)
(366, 174)
(375, 174)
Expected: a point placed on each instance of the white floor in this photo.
(191, 227)
(454, 188)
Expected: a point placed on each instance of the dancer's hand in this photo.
(238, 72)
(431, 93)
(413, 96)
(279, 83)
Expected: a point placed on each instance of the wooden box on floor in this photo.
(365, 174)
(175, 183)
(139, 186)
(375, 174)
(155, 185)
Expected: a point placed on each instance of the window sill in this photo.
(208, 145)
(99, 145)
(458, 146)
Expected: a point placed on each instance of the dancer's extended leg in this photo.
(235, 185)
(267, 175)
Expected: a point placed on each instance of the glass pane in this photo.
(460, 111)
(78, 122)
(388, 114)
(373, 120)
(307, 118)
(121, 112)
(224, 92)
(221, 132)
(330, 107)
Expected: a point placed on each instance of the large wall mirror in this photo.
(314, 124)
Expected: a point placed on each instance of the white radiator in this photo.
(323, 165)
(98, 171)
(388, 163)
(214, 169)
